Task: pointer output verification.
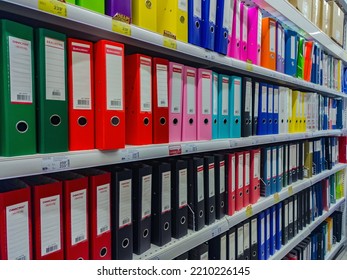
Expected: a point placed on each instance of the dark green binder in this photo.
(52, 106)
(17, 93)
(93, 5)
(301, 59)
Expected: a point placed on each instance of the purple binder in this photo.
(114, 7)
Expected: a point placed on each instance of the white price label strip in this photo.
(55, 163)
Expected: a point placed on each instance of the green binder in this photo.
(17, 98)
(332, 181)
(94, 5)
(70, 1)
(301, 60)
(52, 106)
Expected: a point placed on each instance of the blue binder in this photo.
(273, 235)
(223, 106)
(278, 226)
(261, 236)
(223, 26)
(275, 110)
(273, 170)
(326, 110)
(339, 106)
(235, 107)
(334, 105)
(265, 168)
(314, 64)
(321, 67)
(268, 242)
(323, 154)
(215, 105)
(209, 8)
(270, 109)
(290, 64)
(262, 111)
(345, 80)
(194, 22)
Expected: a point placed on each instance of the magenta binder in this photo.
(204, 105)
(244, 31)
(235, 38)
(254, 35)
(175, 101)
(190, 79)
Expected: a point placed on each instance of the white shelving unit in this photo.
(335, 249)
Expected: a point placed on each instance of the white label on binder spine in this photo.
(286, 216)
(262, 222)
(227, 15)
(114, 77)
(268, 226)
(274, 161)
(103, 209)
(222, 176)
(270, 100)
(145, 84)
(162, 86)
(272, 36)
(78, 216)
(280, 161)
(276, 104)
(204, 256)
(238, 22)
(280, 218)
(81, 84)
(256, 101)
(206, 93)
(183, 196)
(246, 236)
(279, 44)
(292, 48)
(248, 100)
(55, 69)
(274, 222)
(200, 174)
(211, 182)
(21, 76)
(176, 90)
(213, 8)
(240, 185)
(245, 24)
(268, 164)
(232, 246)
(295, 209)
(223, 247)
(146, 196)
(50, 224)
(125, 200)
(264, 99)
(166, 192)
(240, 247)
(197, 8)
(254, 231)
(233, 176)
(225, 97)
(237, 96)
(256, 165)
(183, 5)
(290, 212)
(247, 166)
(215, 95)
(191, 93)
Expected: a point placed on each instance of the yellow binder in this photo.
(289, 110)
(144, 14)
(302, 120)
(330, 233)
(308, 157)
(339, 75)
(304, 106)
(173, 18)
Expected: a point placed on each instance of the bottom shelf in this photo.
(335, 249)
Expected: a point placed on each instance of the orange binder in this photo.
(268, 44)
(138, 99)
(308, 60)
(109, 100)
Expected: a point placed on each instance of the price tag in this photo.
(53, 7)
(249, 211)
(216, 232)
(170, 43)
(128, 155)
(55, 163)
(276, 198)
(175, 150)
(190, 148)
(290, 190)
(233, 144)
(121, 27)
(249, 66)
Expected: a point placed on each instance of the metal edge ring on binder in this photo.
(225, 34)
(212, 209)
(145, 233)
(222, 204)
(205, 121)
(197, 24)
(55, 120)
(162, 121)
(22, 126)
(175, 121)
(201, 213)
(166, 226)
(82, 121)
(191, 121)
(103, 252)
(80, 259)
(115, 121)
(125, 243)
(146, 121)
(183, 220)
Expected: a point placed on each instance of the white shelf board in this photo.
(93, 26)
(335, 249)
(305, 232)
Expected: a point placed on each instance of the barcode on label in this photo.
(79, 238)
(51, 249)
(21, 258)
(191, 111)
(56, 93)
(162, 102)
(83, 102)
(205, 111)
(147, 212)
(183, 202)
(225, 111)
(237, 112)
(166, 208)
(23, 97)
(176, 109)
(125, 221)
(116, 103)
(146, 105)
(104, 229)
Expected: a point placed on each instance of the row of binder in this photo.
(321, 240)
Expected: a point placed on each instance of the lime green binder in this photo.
(17, 98)
(301, 59)
(93, 5)
(52, 106)
(70, 1)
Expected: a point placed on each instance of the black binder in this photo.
(210, 190)
(246, 110)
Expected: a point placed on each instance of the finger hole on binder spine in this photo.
(175, 121)
(240, 194)
(162, 121)
(22, 126)
(264, 121)
(247, 191)
(270, 121)
(222, 204)
(166, 226)
(201, 213)
(80, 259)
(197, 24)
(212, 29)
(275, 121)
(125, 243)
(82, 121)
(115, 121)
(225, 121)
(211, 209)
(225, 35)
(236, 121)
(182, 19)
(103, 252)
(148, 4)
(191, 121)
(247, 122)
(205, 121)
(183, 220)
(254, 254)
(55, 120)
(146, 121)
(215, 121)
(145, 233)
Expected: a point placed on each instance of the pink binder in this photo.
(254, 35)
(204, 101)
(244, 31)
(175, 101)
(189, 104)
(235, 38)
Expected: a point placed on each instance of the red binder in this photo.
(246, 178)
(254, 193)
(15, 221)
(109, 100)
(75, 205)
(81, 95)
(138, 99)
(342, 149)
(231, 160)
(99, 192)
(239, 180)
(47, 199)
(160, 100)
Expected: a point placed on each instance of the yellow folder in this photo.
(303, 112)
(173, 18)
(330, 233)
(339, 75)
(144, 14)
(308, 151)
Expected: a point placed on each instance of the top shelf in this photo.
(289, 15)
(92, 26)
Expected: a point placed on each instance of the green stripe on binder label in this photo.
(53, 7)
